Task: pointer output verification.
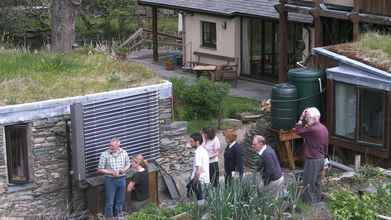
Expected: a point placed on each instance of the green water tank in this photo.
(284, 106)
(309, 84)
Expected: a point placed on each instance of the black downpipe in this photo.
(70, 172)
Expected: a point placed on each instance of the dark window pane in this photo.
(208, 34)
(372, 110)
(16, 147)
(345, 110)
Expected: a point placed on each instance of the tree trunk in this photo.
(63, 18)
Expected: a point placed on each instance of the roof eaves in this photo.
(187, 9)
(350, 62)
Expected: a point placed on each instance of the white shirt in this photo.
(213, 148)
(231, 144)
(262, 150)
(201, 159)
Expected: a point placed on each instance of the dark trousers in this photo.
(214, 173)
(114, 195)
(194, 187)
(312, 180)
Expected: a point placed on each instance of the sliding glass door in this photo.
(260, 48)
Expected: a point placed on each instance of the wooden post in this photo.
(355, 18)
(357, 162)
(155, 35)
(283, 43)
(317, 24)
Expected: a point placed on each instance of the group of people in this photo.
(207, 148)
(114, 163)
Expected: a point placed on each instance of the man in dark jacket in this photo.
(270, 166)
(233, 156)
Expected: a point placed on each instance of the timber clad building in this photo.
(240, 31)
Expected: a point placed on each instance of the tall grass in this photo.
(376, 41)
(27, 77)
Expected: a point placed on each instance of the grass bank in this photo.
(27, 77)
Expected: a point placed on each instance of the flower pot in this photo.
(169, 66)
(121, 56)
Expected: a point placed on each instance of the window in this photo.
(360, 114)
(345, 110)
(208, 34)
(17, 153)
(372, 110)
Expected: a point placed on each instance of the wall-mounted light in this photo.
(224, 25)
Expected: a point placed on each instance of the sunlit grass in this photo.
(27, 77)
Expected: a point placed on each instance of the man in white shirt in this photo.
(200, 174)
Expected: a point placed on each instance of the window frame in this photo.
(206, 29)
(356, 139)
(27, 154)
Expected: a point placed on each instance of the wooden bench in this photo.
(227, 71)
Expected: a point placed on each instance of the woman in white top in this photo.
(212, 144)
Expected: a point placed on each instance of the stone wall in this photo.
(49, 193)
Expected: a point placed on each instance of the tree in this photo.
(63, 18)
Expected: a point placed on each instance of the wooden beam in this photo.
(155, 46)
(355, 18)
(283, 43)
(317, 24)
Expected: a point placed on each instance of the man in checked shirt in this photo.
(114, 163)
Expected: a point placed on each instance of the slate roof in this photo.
(255, 8)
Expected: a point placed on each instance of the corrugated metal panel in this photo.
(133, 119)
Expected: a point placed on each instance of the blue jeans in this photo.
(114, 195)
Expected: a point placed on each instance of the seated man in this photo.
(139, 183)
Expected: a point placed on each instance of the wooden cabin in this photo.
(358, 105)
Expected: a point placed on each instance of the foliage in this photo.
(121, 50)
(234, 105)
(27, 77)
(24, 22)
(152, 212)
(242, 200)
(202, 99)
(376, 42)
(346, 204)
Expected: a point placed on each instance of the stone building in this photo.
(36, 173)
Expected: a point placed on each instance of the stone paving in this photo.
(248, 89)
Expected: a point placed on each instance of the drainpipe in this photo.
(70, 171)
(184, 55)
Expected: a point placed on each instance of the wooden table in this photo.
(209, 69)
(285, 147)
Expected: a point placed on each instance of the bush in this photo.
(202, 99)
(152, 212)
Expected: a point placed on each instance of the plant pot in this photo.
(169, 66)
(121, 56)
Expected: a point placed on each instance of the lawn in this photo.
(231, 105)
(27, 77)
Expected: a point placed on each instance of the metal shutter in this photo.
(133, 119)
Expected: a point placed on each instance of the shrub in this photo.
(202, 99)
(152, 212)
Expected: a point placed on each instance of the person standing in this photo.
(315, 147)
(114, 163)
(212, 145)
(139, 183)
(200, 175)
(270, 166)
(233, 156)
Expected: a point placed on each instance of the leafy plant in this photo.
(202, 99)
(152, 212)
